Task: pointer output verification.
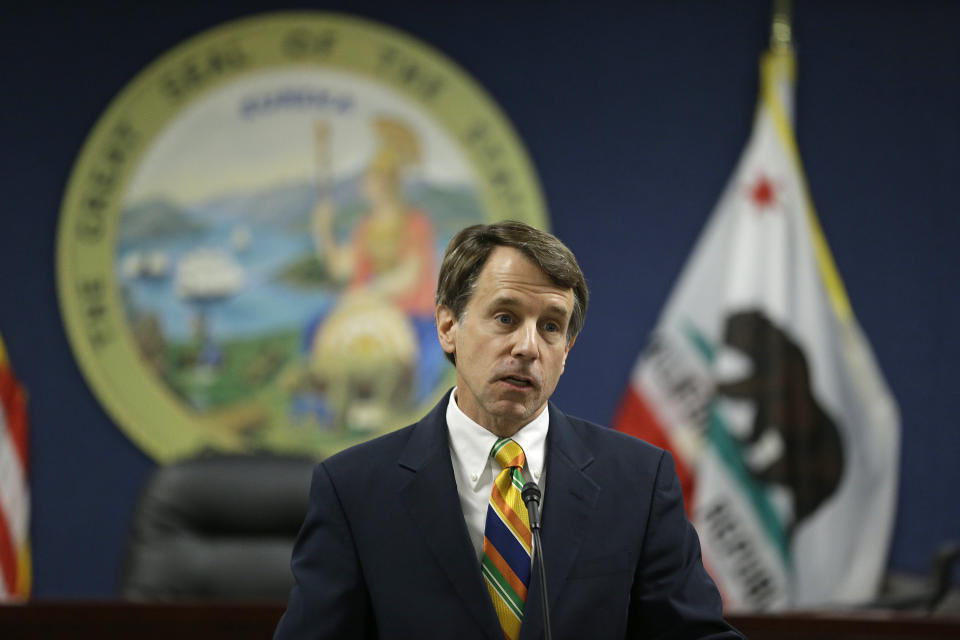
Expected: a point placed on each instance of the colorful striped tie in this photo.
(506, 540)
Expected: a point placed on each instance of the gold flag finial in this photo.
(781, 35)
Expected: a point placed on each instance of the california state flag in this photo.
(759, 380)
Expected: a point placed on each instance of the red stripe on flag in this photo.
(634, 417)
(8, 556)
(13, 403)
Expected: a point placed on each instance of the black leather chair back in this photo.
(217, 527)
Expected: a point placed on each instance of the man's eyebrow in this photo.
(509, 301)
(563, 312)
(505, 301)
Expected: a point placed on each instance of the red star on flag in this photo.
(763, 193)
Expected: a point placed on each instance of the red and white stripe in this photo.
(14, 488)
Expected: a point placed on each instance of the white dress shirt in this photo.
(474, 469)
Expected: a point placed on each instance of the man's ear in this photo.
(446, 328)
(566, 352)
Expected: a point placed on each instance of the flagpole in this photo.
(781, 33)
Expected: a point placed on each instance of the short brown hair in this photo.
(468, 252)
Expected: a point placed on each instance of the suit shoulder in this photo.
(607, 440)
(374, 461)
(363, 455)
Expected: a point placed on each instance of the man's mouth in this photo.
(518, 381)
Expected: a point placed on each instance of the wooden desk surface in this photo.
(110, 620)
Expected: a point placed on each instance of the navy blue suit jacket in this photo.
(384, 551)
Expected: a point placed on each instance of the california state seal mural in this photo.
(249, 240)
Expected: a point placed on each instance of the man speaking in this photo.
(422, 533)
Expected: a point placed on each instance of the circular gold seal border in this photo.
(86, 284)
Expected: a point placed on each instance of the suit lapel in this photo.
(431, 499)
(569, 500)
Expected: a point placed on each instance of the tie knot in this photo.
(508, 453)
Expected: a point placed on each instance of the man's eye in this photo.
(551, 327)
(504, 318)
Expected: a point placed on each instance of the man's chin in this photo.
(511, 414)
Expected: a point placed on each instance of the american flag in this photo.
(14, 487)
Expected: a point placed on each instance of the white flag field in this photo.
(759, 380)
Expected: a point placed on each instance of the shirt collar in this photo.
(472, 443)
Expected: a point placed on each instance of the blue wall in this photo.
(634, 117)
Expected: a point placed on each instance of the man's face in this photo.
(511, 344)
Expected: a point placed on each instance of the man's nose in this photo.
(525, 341)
